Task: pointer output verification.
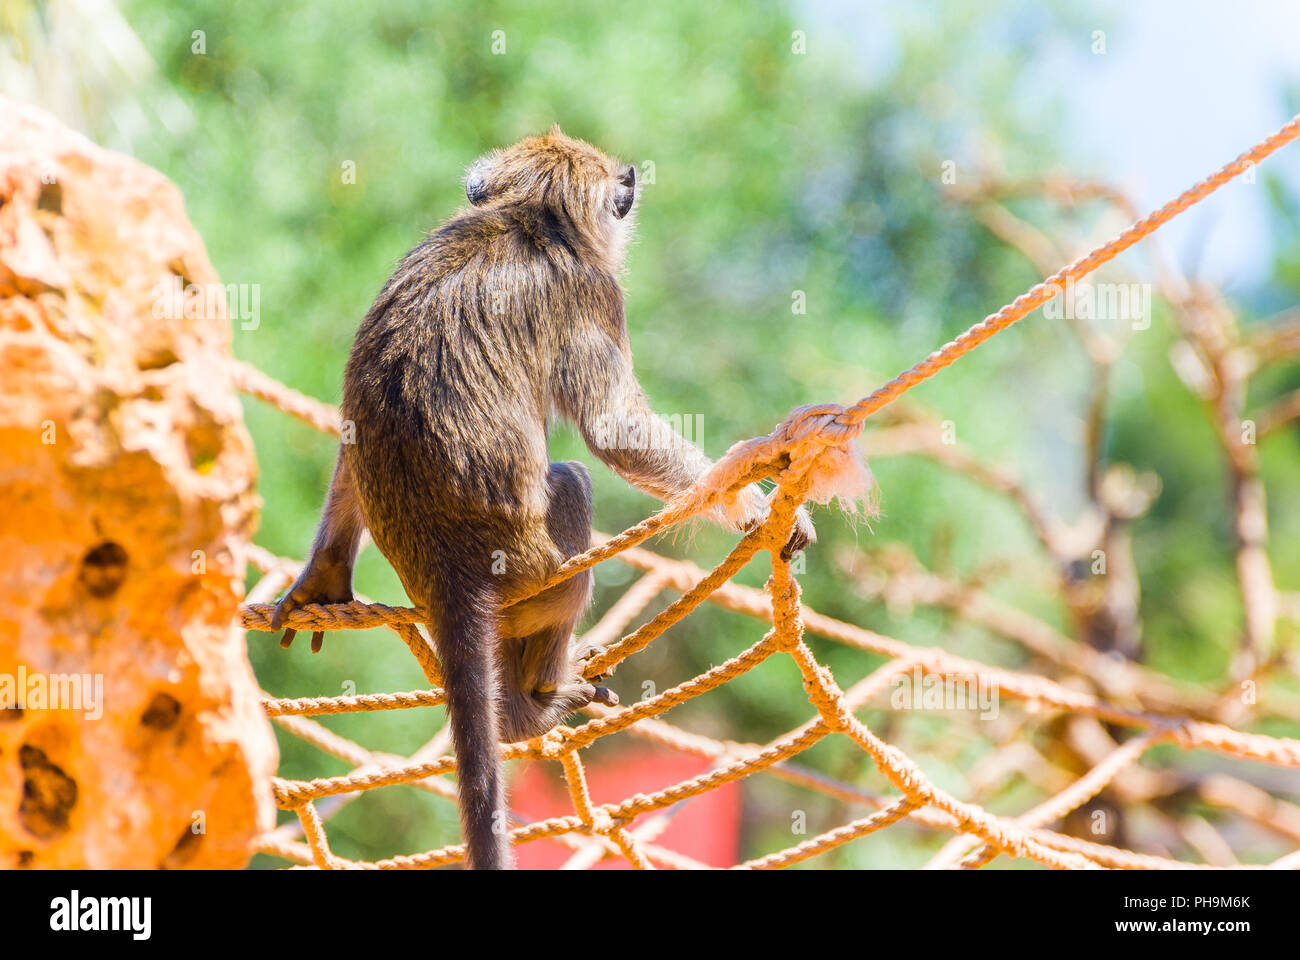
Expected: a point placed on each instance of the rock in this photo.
(127, 492)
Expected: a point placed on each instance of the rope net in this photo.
(1122, 694)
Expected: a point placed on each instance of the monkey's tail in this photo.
(466, 639)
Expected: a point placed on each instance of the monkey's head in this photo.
(572, 180)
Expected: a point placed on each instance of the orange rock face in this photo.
(131, 734)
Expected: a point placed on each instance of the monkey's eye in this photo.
(627, 177)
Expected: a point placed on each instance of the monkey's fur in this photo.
(506, 315)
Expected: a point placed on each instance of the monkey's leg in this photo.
(542, 673)
(534, 705)
(327, 577)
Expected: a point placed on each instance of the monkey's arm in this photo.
(597, 389)
(599, 392)
(327, 577)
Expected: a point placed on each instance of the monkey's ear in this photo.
(476, 180)
(476, 188)
(555, 129)
(624, 191)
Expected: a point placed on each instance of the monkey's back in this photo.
(448, 386)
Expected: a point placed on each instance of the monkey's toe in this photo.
(317, 639)
(585, 693)
(584, 652)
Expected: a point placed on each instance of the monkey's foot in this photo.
(581, 651)
(319, 582)
(528, 715)
(576, 694)
(581, 694)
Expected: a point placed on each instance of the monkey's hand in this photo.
(321, 581)
(752, 505)
(803, 535)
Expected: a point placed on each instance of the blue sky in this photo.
(1183, 87)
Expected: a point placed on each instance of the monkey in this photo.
(508, 315)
